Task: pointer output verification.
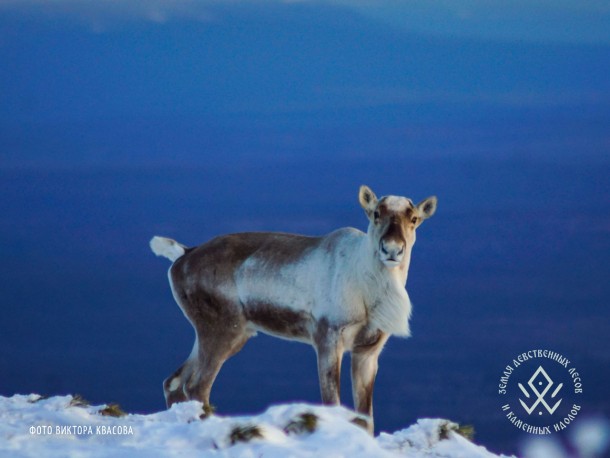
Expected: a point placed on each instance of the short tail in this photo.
(168, 248)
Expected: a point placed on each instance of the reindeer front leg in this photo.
(330, 353)
(364, 370)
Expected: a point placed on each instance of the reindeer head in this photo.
(392, 224)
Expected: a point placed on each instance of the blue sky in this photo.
(272, 66)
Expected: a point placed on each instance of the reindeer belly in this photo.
(280, 302)
(279, 321)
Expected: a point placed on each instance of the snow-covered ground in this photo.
(60, 426)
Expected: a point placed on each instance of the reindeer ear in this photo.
(427, 207)
(368, 199)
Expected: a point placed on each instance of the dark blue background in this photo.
(115, 128)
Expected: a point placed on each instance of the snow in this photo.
(31, 426)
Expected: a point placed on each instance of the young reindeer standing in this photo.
(341, 292)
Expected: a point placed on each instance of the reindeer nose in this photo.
(391, 250)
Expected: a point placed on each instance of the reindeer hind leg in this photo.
(212, 355)
(172, 387)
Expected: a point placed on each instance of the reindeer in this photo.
(341, 292)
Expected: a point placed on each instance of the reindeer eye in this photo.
(376, 215)
(414, 220)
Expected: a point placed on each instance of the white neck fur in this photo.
(386, 299)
